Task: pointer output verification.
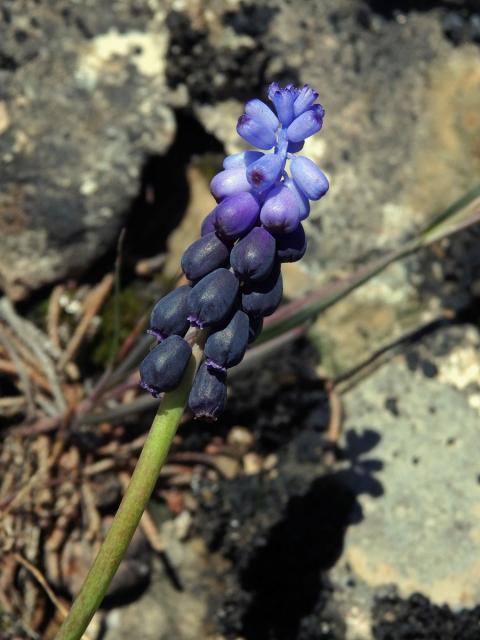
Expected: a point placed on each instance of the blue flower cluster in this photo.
(234, 268)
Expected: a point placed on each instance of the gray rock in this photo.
(420, 532)
(398, 513)
(87, 96)
(398, 140)
(397, 144)
(81, 107)
(382, 311)
(165, 611)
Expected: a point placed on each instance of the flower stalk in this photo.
(135, 500)
(235, 278)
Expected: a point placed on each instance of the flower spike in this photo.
(235, 267)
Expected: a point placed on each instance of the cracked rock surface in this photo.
(81, 107)
(87, 96)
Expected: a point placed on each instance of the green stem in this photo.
(131, 508)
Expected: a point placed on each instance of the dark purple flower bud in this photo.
(208, 224)
(204, 255)
(226, 348)
(260, 299)
(236, 215)
(242, 159)
(303, 203)
(292, 246)
(306, 124)
(304, 100)
(309, 178)
(229, 182)
(279, 213)
(255, 329)
(283, 100)
(295, 147)
(212, 299)
(253, 256)
(163, 368)
(263, 173)
(255, 133)
(169, 315)
(208, 395)
(262, 113)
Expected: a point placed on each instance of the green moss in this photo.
(131, 305)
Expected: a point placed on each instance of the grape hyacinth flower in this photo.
(204, 327)
(234, 268)
(165, 365)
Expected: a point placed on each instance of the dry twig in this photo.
(39, 577)
(19, 369)
(53, 315)
(39, 345)
(335, 423)
(93, 304)
(10, 368)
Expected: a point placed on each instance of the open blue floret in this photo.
(297, 118)
(235, 267)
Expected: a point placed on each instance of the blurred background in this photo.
(339, 496)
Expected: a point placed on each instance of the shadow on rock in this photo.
(164, 191)
(286, 575)
(162, 198)
(358, 475)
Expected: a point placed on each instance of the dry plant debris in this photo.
(57, 489)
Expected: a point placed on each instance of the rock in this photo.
(396, 151)
(170, 610)
(200, 203)
(270, 462)
(183, 524)
(417, 617)
(83, 106)
(252, 463)
(386, 309)
(388, 147)
(133, 573)
(334, 551)
(88, 96)
(228, 466)
(419, 530)
(240, 439)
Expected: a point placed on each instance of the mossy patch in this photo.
(119, 316)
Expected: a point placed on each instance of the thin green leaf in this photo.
(463, 213)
